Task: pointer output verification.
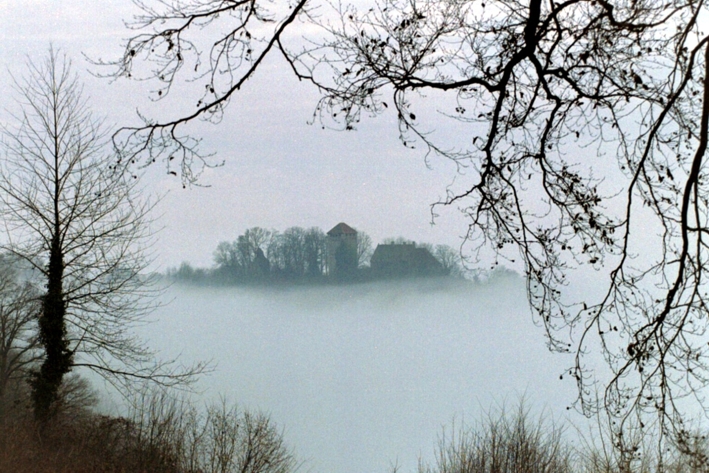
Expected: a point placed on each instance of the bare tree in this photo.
(76, 215)
(450, 260)
(585, 126)
(242, 259)
(222, 439)
(586, 134)
(364, 249)
(239, 35)
(19, 309)
(288, 254)
(314, 252)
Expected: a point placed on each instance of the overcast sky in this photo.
(279, 171)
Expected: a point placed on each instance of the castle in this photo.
(388, 260)
(404, 260)
(342, 255)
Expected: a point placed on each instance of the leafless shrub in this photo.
(634, 452)
(640, 450)
(221, 439)
(162, 434)
(504, 443)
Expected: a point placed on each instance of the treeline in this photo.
(303, 256)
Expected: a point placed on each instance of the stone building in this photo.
(404, 260)
(341, 250)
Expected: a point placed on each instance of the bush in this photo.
(504, 444)
(221, 439)
(515, 443)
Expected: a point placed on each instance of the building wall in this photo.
(334, 242)
(349, 241)
(404, 260)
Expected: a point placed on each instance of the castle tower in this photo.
(341, 250)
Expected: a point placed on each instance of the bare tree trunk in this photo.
(52, 331)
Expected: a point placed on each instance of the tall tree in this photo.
(287, 254)
(450, 260)
(75, 214)
(315, 252)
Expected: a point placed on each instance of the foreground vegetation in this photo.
(163, 433)
(159, 434)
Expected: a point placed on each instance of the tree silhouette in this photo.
(19, 308)
(79, 221)
(587, 129)
(584, 128)
(242, 34)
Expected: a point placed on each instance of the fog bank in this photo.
(363, 377)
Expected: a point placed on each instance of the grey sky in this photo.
(279, 171)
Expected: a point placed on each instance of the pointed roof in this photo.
(342, 229)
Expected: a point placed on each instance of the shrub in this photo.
(503, 443)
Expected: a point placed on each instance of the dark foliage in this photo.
(300, 256)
